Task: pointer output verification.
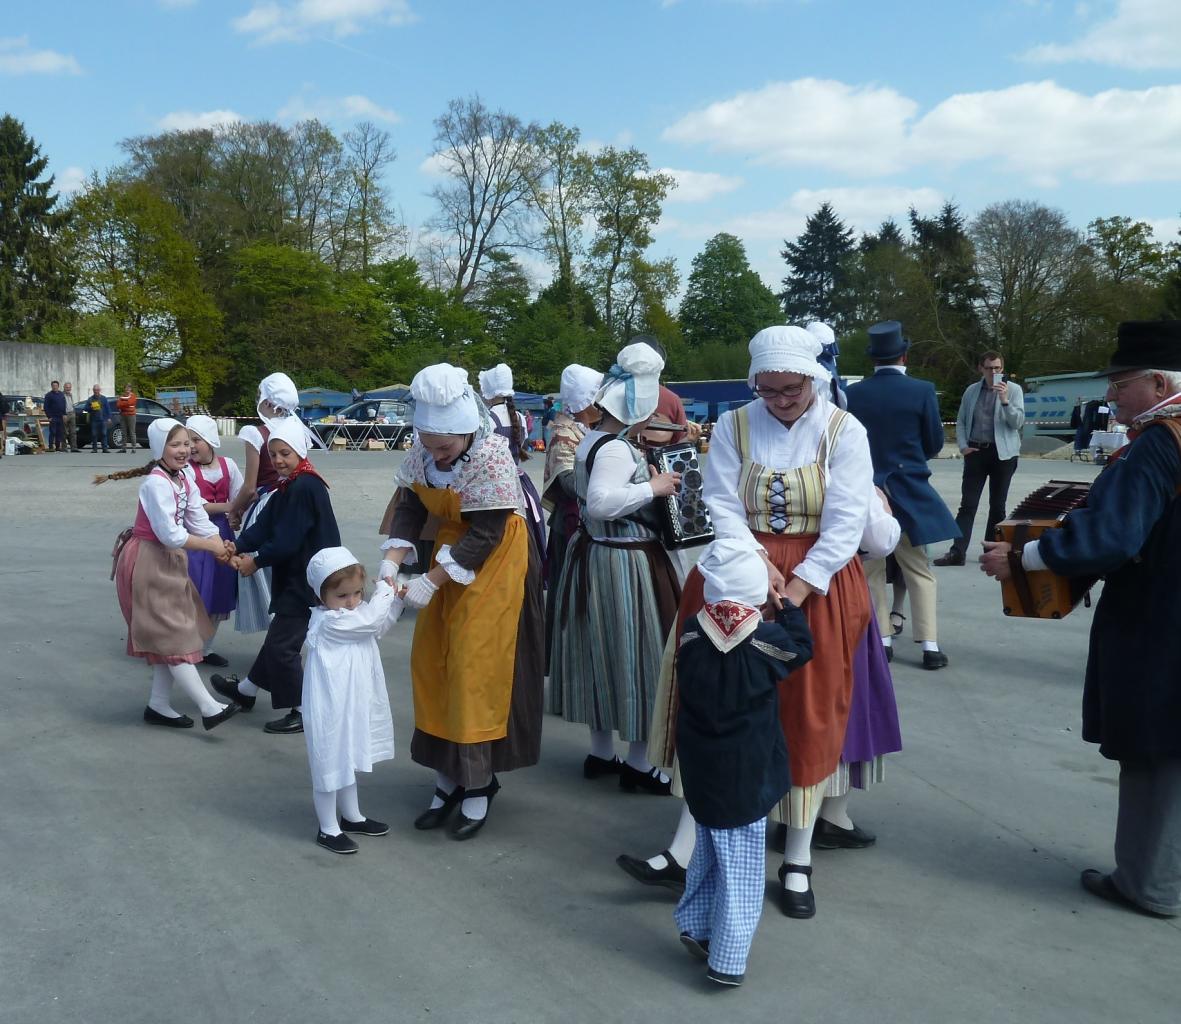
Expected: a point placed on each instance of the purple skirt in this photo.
(216, 583)
(873, 715)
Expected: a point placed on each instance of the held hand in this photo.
(247, 566)
(776, 583)
(797, 591)
(231, 547)
(885, 501)
(665, 484)
(995, 560)
(388, 570)
(419, 592)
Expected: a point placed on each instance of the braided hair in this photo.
(144, 470)
(518, 434)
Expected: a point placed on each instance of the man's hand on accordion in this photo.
(995, 560)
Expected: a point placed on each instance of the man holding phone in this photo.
(987, 431)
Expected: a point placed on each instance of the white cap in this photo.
(279, 390)
(580, 384)
(631, 388)
(205, 427)
(325, 562)
(158, 431)
(292, 432)
(443, 401)
(733, 571)
(785, 349)
(497, 382)
(821, 332)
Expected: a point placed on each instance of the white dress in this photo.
(346, 709)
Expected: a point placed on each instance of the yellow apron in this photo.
(465, 640)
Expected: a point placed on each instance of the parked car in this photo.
(373, 418)
(146, 410)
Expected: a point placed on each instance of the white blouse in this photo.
(174, 509)
(499, 414)
(849, 481)
(611, 493)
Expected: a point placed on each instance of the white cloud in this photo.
(297, 21)
(1166, 230)
(70, 180)
(699, 186)
(17, 57)
(862, 209)
(186, 120)
(807, 122)
(304, 107)
(435, 166)
(1138, 34)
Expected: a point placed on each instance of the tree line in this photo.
(214, 255)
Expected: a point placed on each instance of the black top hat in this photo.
(1146, 345)
(886, 341)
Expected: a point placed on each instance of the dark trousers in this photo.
(278, 668)
(56, 432)
(129, 439)
(978, 467)
(98, 433)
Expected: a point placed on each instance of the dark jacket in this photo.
(901, 416)
(1130, 531)
(730, 746)
(296, 523)
(55, 403)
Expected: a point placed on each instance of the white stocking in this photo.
(444, 783)
(798, 850)
(185, 676)
(637, 757)
(683, 842)
(346, 800)
(602, 744)
(161, 699)
(475, 807)
(835, 810)
(325, 804)
(247, 688)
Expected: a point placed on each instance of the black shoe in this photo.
(216, 660)
(465, 827)
(889, 651)
(337, 844)
(596, 767)
(631, 779)
(934, 659)
(292, 722)
(732, 980)
(827, 836)
(227, 686)
(433, 817)
(153, 717)
(224, 715)
(896, 627)
(671, 876)
(800, 905)
(1101, 885)
(368, 827)
(698, 948)
(951, 558)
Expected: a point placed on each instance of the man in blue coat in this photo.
(901, 417)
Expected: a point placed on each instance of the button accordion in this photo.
(1042, 594)
(682, 518)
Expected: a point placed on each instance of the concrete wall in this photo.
(27, 369)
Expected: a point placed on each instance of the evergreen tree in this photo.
(725, 300)
(36, 286)
(813, 289)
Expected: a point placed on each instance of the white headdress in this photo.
(279, 390)
(580, 384)
(158, 431)
(821, 332)
(205, 427)
(291, 431)
(631, 388)
(786, 349)
(444, 402)
(497, 382)
(325, 562)
(733, 571)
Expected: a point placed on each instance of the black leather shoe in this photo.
(153, 717)
(213, 721)
(698, 948)
(337, 844)
(732, 980)
(227, 686)
(671, 876)
(934, 659)
(465, 827)
(827, 836)
(433, 817)
(631, 779)
(1101, 885)
(800, 905)
(291, 722)
(216, 660)
(368, 827)
(951, 558)
(896, 627)
(596, 767)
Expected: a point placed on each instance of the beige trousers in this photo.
(920, 587)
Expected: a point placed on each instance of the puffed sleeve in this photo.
(252, 436)
(720, 485)
(610, 492)
(882, 530)
(158, 498)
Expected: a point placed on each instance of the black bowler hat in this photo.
(1146, 345)
(886, 341)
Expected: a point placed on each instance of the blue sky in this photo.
(760, 108)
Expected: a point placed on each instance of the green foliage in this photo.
(817, 261)
(725, 301)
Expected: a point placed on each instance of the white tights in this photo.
(797, 849)
(684, 839)
(327, 805)
(186, 677)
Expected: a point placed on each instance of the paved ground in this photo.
(151, 876)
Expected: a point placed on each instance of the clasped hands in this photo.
(244, 564)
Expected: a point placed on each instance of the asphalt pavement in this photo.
(159, 876)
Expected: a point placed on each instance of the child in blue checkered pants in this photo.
(731, 751)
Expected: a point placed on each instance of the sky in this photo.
(761, 109)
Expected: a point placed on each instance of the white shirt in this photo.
(610, 493)
(159, 496)
(849, 481)
(499, 413)
(252, 436)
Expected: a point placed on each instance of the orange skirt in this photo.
(814, 700)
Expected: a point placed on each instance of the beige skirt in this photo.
(166, 621)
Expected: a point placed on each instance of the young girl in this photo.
(219, 481)
(347, 718)
(166, 622)
(293, 525)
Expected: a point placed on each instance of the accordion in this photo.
(1043, 594)
(682, 519)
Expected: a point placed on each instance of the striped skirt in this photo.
(253, 613)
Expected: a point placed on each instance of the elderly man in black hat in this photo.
(901, 417)
(1130, 534)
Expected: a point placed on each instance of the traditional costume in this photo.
(732, 756)
(218, 484)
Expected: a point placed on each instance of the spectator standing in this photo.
(55, 409)
(98, 406)
(70, 420)
(3, 424)
(987, 431)
(126, 403)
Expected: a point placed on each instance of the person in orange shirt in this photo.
(125, 403)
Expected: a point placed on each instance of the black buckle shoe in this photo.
(224, 715)
(292, 722)
(216, 660)
(153, 717)
(671, 876)
(465, 827)
(934, 660)
(433, 817)
(227, 686)
(596, 767)
(800, 905)
(827, 836)
(631, 779)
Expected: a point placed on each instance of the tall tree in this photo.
(559, 194)
(369, 224)
(36, 284)
(725, 300)
(817, 261)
